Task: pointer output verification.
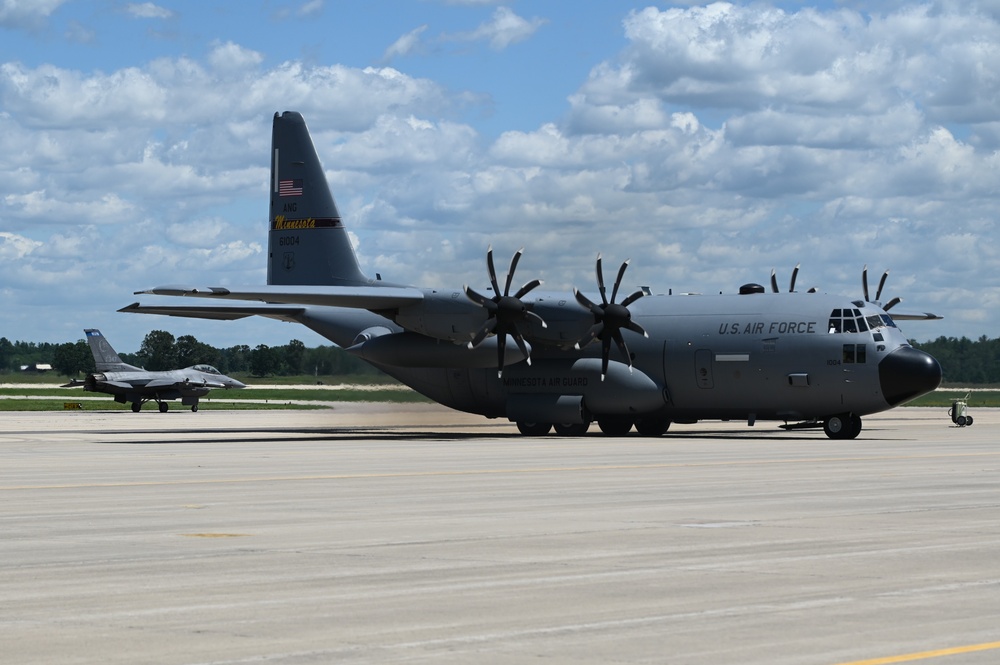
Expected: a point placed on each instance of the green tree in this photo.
(264, 361)
(192, 352)
(158, 351)
(73, 359)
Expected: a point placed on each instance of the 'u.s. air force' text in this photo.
(769, 328)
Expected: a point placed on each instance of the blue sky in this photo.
(709, 143)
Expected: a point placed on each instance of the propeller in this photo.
(791, 285)
(878, 293)
(507, 313)
(610, 318)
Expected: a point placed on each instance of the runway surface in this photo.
(409, 533)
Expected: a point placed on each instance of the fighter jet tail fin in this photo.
(307, 241)
(105, 357)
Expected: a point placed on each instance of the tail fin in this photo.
(105, 357)
(307, 243)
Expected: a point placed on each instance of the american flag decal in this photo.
(290, 187)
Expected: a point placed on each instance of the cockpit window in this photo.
(852, 321)
(207, 369)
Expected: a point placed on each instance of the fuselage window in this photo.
(855, 353)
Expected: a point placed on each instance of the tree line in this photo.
(161, 351)
(963, 360)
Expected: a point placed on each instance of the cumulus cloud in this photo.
(720, 142)
(30, 14)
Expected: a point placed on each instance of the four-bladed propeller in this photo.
(507, 313)
(610, 318)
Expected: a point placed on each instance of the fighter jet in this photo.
(565, 360)
(128, 383)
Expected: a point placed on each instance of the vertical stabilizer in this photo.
(307, 243)
(105, 357)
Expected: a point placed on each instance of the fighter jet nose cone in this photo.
(907, 373)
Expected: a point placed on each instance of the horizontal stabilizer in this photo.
(357, 297)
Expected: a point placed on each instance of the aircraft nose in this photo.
(907, 373)
(233, 383)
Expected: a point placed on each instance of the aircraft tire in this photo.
(136, 406)
(573, 429)
(533, 429)
(652, 426)
(615, 425)
(842, 426)
(163, 407)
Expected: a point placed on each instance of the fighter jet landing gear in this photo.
(843, 426)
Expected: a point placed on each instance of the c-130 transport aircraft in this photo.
(562, 361)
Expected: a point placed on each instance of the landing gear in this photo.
(533, 429)
(136, 405)
(843, 426)
(615, 425)
(652, 426)
(573, 429)
(163, 407)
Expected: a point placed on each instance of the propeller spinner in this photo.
(507, 313)
(610, 318)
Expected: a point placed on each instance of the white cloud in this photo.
(29, 14)
(147, 10)
(503, 29)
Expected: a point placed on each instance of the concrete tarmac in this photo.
(410, 533)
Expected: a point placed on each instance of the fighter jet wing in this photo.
(357, 297)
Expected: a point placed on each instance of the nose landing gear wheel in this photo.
(843, 426)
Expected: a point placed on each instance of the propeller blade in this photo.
(587, 302)
(795, 274)
(632, 298)
(483, 333)
(590, 336)
(501, 346)
(531, 315)
(480, 299)
(618, 280)
(605, 356)
(519, 340)
(881, 283)
(492, 269)
(528, 286)
(864, 282)
(620, 341)
(510, 273)
(600, 282)
(774, 281)
(892, 303)
(636, 328)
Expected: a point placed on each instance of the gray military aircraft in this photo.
(642, 360)
(128, 383)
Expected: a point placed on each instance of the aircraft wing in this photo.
(217, 311)
(921, 316)
(358, 297)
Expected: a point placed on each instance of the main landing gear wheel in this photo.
(533, 429)
(571, 429)
(843, 426)
(136, 406)
(163, 407)
(652, 426)
(615, 425)
(194, 407)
